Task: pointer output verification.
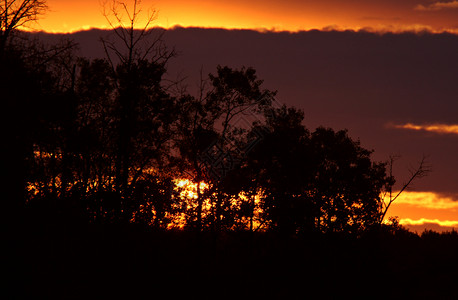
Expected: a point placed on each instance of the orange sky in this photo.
(419, 210)
(293, 15)
(426, 210)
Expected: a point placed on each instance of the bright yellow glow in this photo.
(188, 194)
(188, 188)
(436, 128)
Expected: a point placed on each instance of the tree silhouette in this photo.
(348, 183)
(321, 181)
(107, 136)
(15, 14)
(104, 128)
(209, 137)
(420, 171)
(32, 110)
(140, 108)
(278, 167)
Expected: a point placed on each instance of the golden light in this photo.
(423, 209)
(423, 221)
(435, 128)
(188, 194)
(188, 188)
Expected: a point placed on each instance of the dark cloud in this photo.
(437, 6)
(355, 80)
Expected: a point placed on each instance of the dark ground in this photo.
(50, 261)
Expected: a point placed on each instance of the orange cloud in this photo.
(428, 200)
(437, 6)
(424, 221)
(436, 128)
(423, 224)
(418, 211)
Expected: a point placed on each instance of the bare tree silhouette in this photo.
(422, 170)
(138, 59)
(18, 13)
(132, 39)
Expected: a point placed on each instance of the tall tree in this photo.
(281, 168)
(29, 85)
(33, 110)
(122, 117)
(210, 139)
(142, 110)
(348, 185)
(321, 181)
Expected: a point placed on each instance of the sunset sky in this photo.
(291, 15)
(403, 69)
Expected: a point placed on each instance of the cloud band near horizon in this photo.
(437, 6)
(434, 128)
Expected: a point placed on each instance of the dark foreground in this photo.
(128, 262)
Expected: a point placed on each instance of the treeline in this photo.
(110, 141)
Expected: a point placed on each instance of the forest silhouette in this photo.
(117, 184)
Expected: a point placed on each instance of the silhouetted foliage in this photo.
(106, 136)
(32, 91)
(321, 181)
(112, 139)
(210, 143)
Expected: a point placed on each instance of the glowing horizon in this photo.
(423, 221)
(289, 15)
(424, 209)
